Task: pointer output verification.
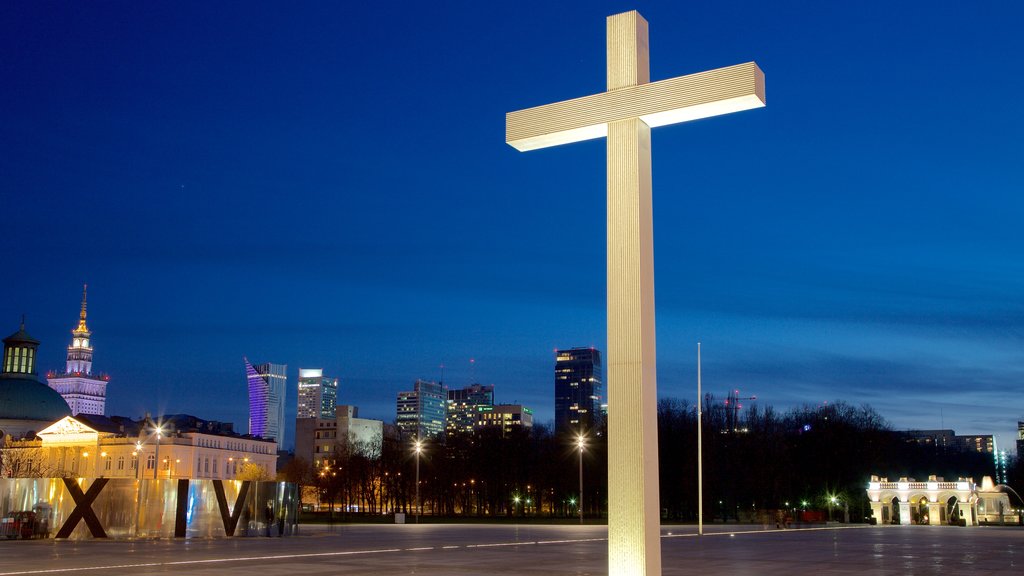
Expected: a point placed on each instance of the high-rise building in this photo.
(84, 392)
(1020, 439)
(463, 404)
(267, 386)
(318, 394)
(421, 411)
(577, 390)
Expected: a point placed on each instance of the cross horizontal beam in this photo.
(679, 99)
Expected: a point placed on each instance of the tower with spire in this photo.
(84, 393)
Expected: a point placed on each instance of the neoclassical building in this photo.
(939, 502)
(97, 447)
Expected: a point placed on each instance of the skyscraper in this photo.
(318, 394)
(84, 393)
(420, 412)
(267, 386)
(577, 390)
(462, 406)
(1020, 439)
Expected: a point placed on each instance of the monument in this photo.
(625, 114)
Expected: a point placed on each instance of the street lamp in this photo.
(159, 431)
(580, 443)
(418, 447)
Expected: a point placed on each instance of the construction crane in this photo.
(732, 409)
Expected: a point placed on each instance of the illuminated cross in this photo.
(625, 114)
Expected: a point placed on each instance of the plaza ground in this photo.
(461, 549)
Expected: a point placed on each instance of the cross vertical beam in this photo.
(634, 545)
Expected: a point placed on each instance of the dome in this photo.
(25, 398)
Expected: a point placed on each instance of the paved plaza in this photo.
(460, 549)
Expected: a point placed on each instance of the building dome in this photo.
(26, 404)
(25, 398)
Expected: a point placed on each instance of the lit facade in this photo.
(949, 440)
(420, 412)
(72, 448)
(319, 440)
(938, 502)
(267, 384)
(578, 388)
(463, 404)
(318, 394)
(84, 392)
(1020, 439)
(507, 417)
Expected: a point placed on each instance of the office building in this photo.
(267, 386)
(420, 412)
(463, 404)
(506, 417)
(321, 440)
(318, 394)
(1020, 439)
(578, 390)
(84, 392)
(947, 440)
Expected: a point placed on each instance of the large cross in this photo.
(625, 113)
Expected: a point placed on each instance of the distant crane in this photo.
(732, 409)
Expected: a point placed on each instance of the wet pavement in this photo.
(459, 549)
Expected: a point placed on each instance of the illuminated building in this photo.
(92, 446)
(420, 412)
(26, 404)
(318, 394)
(266, 400)
(84, 393)
(508, 417)
(939, 502)
(1020, 439)
(463, 404)
(577, 390)
(318, 440)
(949, 441)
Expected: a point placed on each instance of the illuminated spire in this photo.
(81, 317)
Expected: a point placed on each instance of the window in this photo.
(120, 462)
(106, 464)
(150, 462)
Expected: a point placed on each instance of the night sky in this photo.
(326, 184)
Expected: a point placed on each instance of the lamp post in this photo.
(580, 443)
(159, 431)
(418, 447)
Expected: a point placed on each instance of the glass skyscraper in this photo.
(577, 390)
(267, 386)
(318, 394)
(420, 412)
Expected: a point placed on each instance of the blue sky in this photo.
(327, 185)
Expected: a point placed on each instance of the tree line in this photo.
(757, 459)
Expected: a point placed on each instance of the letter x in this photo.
(83, 508)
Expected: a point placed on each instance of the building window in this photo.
(106, 464)
(150, 462)
(120, 462)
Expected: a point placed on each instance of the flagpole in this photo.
(700, 459)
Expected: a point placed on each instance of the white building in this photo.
(938, 502)
(69, 447)
(84, 392)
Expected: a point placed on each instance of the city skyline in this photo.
(275, 185)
